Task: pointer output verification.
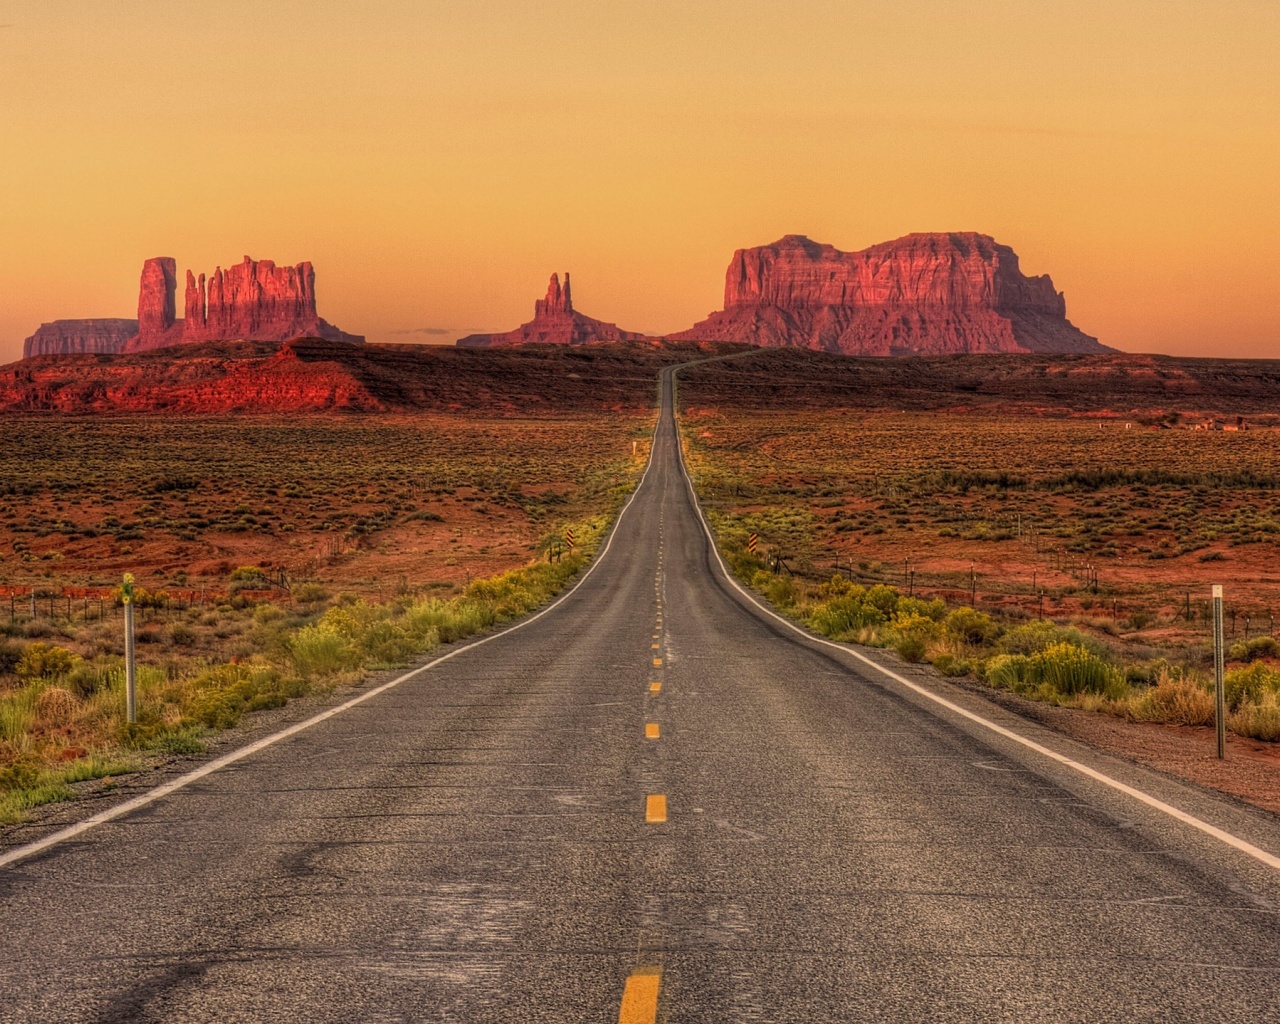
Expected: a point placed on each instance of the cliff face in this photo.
(922, 294)
(253, 301)
(555, 322)
(71, 337)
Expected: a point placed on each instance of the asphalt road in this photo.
(531, 832)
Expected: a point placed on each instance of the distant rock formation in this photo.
(252, 301)
(925, 294)
(70, 337)
(555, 322)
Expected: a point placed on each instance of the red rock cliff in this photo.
(555, 322)
(254, 301)
(71, 337)
(922, 294)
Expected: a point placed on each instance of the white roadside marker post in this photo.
(130, 661)
(1219, 690)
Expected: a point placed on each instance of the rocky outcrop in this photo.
(925, 294)
(156, 312)
(252, 301)
(555, 322)
(71, 337)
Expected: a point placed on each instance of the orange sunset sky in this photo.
(437, 160)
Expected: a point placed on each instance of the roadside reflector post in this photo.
(130, 661)
(1219, 690)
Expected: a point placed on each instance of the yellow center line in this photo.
(657, 662)
(655, 687)
(651, 731)
(655, 809)
(655, 646)
(640, 997)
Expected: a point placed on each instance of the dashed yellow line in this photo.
(657, 662)
(640, 997)
(655, 808)
(655, 646)
(651, 731)
(655, 687)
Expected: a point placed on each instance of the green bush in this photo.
(910, 648)
(321, 650)
(1008, 671)
(1258, 719)
(45, 661)
(972, 627)
(1250, 685)
(1069, 669)
(1060, 669)
(935, 609)
(309, 593)
(1254, 648)
(10, 655)
(1034, 637)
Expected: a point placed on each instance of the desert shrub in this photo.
(909, 647)
(846, 615)
(89, 677)
(1034, 637)
(1175, 699)
(972, 627)
(321, 650)
(10, 655)
(1061, 669)
(55, 706)
(1249, 685)
(309, 593)
(1254, 648)
(913, 632)
(1009, 671)
(44, 661)
(780, 591)
(1258, 719)
(935, 609)
(17, 715)
(1070, 669)
(182, 634)
(949, 665)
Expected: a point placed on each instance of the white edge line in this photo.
(161, 791)
(1235, 842)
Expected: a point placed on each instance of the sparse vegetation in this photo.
(307, 555)
(835, 503)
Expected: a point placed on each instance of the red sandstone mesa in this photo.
(252, 301)
(71, 337)
(924, 294)
(555, 322)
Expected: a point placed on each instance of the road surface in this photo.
(655, 802)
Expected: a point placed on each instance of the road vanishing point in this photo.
(653, 801)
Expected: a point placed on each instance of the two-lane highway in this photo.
(654, 802)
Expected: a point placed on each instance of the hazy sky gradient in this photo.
(436, 160)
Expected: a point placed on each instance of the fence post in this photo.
(1219, 692)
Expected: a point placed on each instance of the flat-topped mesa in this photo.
(253, 301)
(102, 335)
(555, 322)
(922, 294)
